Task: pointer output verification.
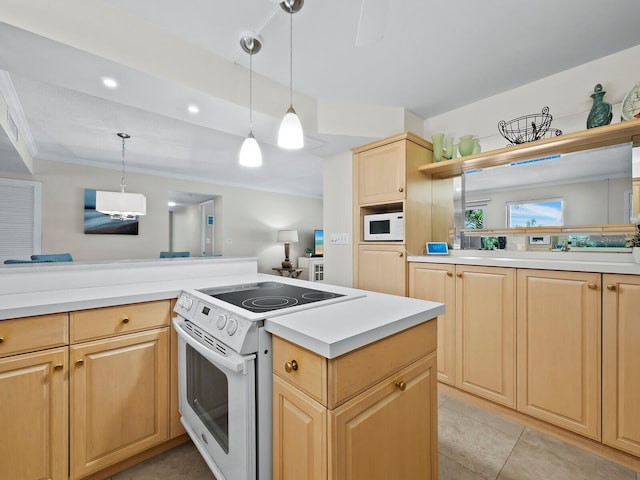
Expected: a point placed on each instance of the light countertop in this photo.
(329, 330)
(339, 328)
(570, 261)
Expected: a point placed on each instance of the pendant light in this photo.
(290, 135)
(121, 205)
(250, 154)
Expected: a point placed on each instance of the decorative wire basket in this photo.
(527, 128)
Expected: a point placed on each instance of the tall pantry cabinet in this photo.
(386, 180)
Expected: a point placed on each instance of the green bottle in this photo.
(600, 113)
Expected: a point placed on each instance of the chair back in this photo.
(53, 257)
(174, 254)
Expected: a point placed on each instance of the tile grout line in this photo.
(510, 453)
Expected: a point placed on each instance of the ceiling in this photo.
(432, 57)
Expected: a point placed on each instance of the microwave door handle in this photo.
(235, 362)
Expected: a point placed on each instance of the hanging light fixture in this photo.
(121, 205)
(250, 154)
(290, 135)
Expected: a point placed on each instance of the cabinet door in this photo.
(621, 358)
(435, 282)
(119, 398)
(389, 431)
(34, 410)
(485, 332)
(381, 173)
(382, 268)
(558, 322)
(299, 434)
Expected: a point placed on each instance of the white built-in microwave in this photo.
(384, 227)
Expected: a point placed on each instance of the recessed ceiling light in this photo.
(109, 82)
(193, 109)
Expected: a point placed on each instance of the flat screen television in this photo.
(318, 243)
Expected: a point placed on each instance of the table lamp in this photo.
(288, 237)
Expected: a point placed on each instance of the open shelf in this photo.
(607, 229)
(584, 140)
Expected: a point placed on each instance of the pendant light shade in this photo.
(121, 205)
(250, 154)
(290, 134)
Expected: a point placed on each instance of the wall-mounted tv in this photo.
(318, 243)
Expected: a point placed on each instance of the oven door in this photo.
(217, 403)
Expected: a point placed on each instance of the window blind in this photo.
(20, 218)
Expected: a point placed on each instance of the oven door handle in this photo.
(233, 362)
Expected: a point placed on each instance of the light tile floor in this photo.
(473, 445)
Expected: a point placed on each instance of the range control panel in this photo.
(235, 331)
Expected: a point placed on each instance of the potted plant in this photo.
(308, 252)
(634, 241)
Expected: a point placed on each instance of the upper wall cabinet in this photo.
(385, 168)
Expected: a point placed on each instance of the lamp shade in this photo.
(288, 236)
(290, 135)
(250, 154)
(121, 205)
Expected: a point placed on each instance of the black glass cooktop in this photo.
(267, 296)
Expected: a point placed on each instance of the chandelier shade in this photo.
(121, 205)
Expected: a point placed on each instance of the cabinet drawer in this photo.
(109, 321)
(354, 372)
(27, 334)
(310, 373)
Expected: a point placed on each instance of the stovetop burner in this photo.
(267, 296)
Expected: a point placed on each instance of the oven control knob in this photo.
(221, 321)
(188, 303)
(232, 327)
(182, 300)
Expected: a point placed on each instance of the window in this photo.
(535, 213)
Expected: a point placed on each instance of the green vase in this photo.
(600, 113)
(436, 140)
(465, 147)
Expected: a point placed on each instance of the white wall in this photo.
(247, 220)
(338, 213)
(185, 230)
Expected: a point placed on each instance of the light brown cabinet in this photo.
(34, 411)
(436, 282)
(477, 332)
(386, 180)
(485, 325)
(72, 411)
(119, 386)
(382, 268)
(621, 358)
(559, 343)
(371, 413)
(381, 173)
(34, 399)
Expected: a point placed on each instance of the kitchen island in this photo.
(81, 310)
